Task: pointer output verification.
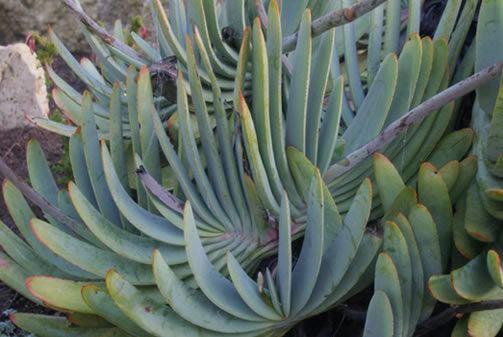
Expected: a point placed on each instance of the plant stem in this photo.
(36, 198)
(415, 115)
(159, 191)
(87, 21)
(262, 13)
(445, 316)
(333, 19)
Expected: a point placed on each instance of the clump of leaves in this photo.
(42, 46)
(137, 26)
(137, 22)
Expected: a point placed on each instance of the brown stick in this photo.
(36, 198)
(415, 115)
(445, 316)
(159, 191)
(333, 19)
(87, 21)
(262, 13)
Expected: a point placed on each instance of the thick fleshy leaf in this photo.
(395, 246)
(428, 56)
(329, 132)
(284, 277)
(14, 276)
(449, 173)
(403, 203)
(275, 61)
(224, 137)
(303, 171)
(88, 257)
(50, 326)
(59, 294)
(473, 281)
(318, 86)
(478, 222)
(426, 234)
(193, 305)
(485, 323)
(145, 221)
(88, 321)
(307, 268)
(448, 20)
(461, 328)
(464, 242)
(352, 59)
(297, 104)
(433, 193)
(374, 110)
(342, 252)
(23, 254)
(132, 246)
(22, 214)
(156, 318)
(467, 170)
(97, 298)
(494, 147)
(249, 290)
(489, 49)
(94, 163)
(408, 74)
(441, 289)
(387, 280)
(392, 33)
(213, 284)
(379, 321)
(257, 166)
(360, 271)
(261, 108)
(494, 267)
(418, 280)
(215, 182)
(388, 180)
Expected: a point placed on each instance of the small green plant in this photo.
(43, 47)
(138, 27)
(63, 168)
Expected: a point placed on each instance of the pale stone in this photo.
(23, 92)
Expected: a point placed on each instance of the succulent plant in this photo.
(418, 226)
(400, 85)
(198, 162)
(477, 220)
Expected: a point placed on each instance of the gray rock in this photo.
(23, 94)
(19, 17)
